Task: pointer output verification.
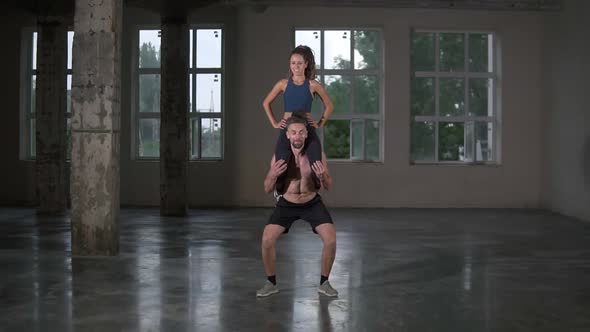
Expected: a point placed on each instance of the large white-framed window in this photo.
(28, 87)
(205, 111)
(206, 74)
(454, 97)
(147, 94)
(349, 64)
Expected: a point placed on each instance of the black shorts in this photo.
(314, 212)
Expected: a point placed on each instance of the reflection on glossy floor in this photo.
(396, 270)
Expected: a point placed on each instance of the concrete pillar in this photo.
(96, 86)
(174, 117)
(50, 115)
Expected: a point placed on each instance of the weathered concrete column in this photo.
(174, 117)
(50, 117)
(95, 127)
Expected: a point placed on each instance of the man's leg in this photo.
(269, 238)
(327, 233)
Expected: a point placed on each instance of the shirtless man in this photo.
(300, 201)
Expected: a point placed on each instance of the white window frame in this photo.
(193, 71)
(350, 115)
(136, 74)
(26, 103)
(467, 120)
(137, 71)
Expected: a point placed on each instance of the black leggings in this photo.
(312, 147)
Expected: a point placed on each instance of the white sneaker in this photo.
(327, 289)
(268, 289)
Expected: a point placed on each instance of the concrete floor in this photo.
(396, 270)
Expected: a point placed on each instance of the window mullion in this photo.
(468, 123)
(364, 139)
(436, 92)
(351, 50)
(199, 134)
(323, 49)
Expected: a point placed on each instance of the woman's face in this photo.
(297, 65)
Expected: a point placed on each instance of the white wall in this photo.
(566, 175)
(257, 48)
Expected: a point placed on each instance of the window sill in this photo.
(450, 163)
(349, 161)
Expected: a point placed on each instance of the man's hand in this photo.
(319, 169)
(277, 168)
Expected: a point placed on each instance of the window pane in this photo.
(484, 141)
(422, 99)
(452, 97)
(209, 48)
(33, 92)
(422, 142)
(34, 51)
(69, 94)
(452, 52)
(468, 151)
(33, 137)
(149, 137)
(481, 97)
(194, 138)
(337, 139)
(190, 50)
(70, 43)
(372, 140)
(149, 93)
(451, 141)
(149, 49)
(211, 138)
(313, 39)
(190, 93)
(357, 139)
(337, 48)
(338, 89)
(479, 46)
(366, 94)
(422, 51)
(367, 49)
(208, 93)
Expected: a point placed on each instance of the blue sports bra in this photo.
(297, 97)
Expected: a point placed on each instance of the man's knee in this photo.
(328, 234)
(330, 242)
(269, 237)
(268, 242)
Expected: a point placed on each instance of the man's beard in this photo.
(297, 144)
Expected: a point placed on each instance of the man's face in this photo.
(296, 134)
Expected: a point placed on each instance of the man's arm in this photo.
(277, 168)
(320, 168)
